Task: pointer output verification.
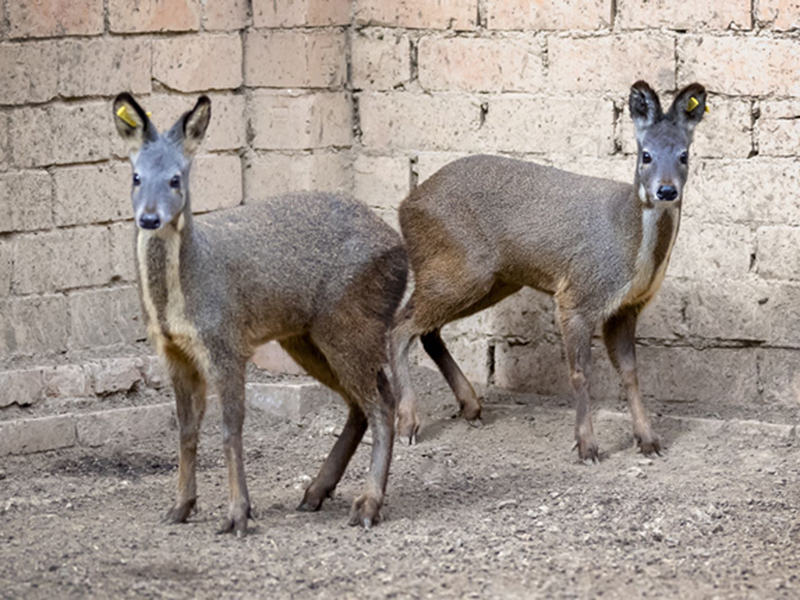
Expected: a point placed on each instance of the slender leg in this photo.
(462, 388)
(366, 508)
(619, 333)
(190, 400)
(336, 463)
(577, 331)
(231, 391)
(407, 419)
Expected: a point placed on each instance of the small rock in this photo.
(506, 504)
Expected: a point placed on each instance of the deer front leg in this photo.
(462, 388)
(577, 332)
(190, 401)
(619, 333)
(232, 399)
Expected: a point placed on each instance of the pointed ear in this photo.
(132, 122)
(644, 105)
(193, 125)
(689, 106)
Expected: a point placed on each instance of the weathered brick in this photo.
(5, 268)
(26, 201)
(226, 131)
(708, 251)
(422, 14)
(23, 436)
(548, 14)
(381, 60)
(92, 193)
(778, 128)
(757, 190)
(271, 357)
(745, 66)
(779, 375)
(128, 16)
(37, 324)
(481, 64)
(417, 121)
(103, 66)
(154, 372)
(21, 386)
(711, 376)
(537, 367)
(727, 308)
(663, 317)
(225, 15)
(191, 64)
(105, 317)
(45, 18)
(60, 133)
(723, 132)
(781, 314)
(124, 426)
(776, 256)
(518, 123)
(573, 63)
(288, 120)
(526, 316)
(719, 14)
(267, 13)
(471, 354)
(65, 381)
(114, 374)
(5, 148)
(618, 168)
(780, 15)
(276, 58)
(28, 72)
(429, 162)
(61, 259)
(274, 173)
(216, 182)
(288, 400)
(381, 181)
(122, 254)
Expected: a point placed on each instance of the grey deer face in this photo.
(663, 141)
(160, 183)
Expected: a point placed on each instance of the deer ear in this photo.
(194, 125)
(689, 107)
(644, 105)
(132, 122)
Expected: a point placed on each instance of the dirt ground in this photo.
(502, 511)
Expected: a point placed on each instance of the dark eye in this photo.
(136, 179)
(175, 182)
(684, 158)
(646, 158)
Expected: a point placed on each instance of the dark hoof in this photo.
(407, 430)
(477, 423)
(180, 512)
(365, 512)
(587, 451)
(650, 446)
(471, 412)
(312, 502)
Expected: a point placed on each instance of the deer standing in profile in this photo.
(318, 272)
(483, 227)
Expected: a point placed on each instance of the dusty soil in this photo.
(501, 511)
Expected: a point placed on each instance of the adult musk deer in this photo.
(482, 227)
(318, 272)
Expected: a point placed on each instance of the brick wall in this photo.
(371, 96)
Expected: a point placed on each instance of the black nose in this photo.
(149, 221)
(667, 192)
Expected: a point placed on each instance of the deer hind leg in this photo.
(402, 337)
(190, 401)
(577, 332)
(619, 333)
(231, 391)
(309, 356)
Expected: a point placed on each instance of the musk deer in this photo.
(482, 227)
(318, 272)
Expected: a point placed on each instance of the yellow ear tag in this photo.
(708, 108)
(123, 114)
(692, 104)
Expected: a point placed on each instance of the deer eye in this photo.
(175, 182)
(136, 179)
(646, 158)
(684, 157)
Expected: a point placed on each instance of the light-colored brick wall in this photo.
(371, 97)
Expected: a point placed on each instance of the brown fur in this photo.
(482, 227)
(319, 272)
